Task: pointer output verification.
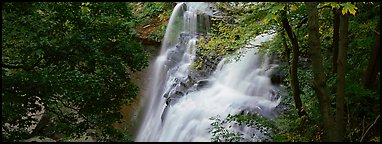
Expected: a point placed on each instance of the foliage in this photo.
(149, 10)
(293, 128)
(228, 34)
(241, 22)
(221, 134)
(155, 14)
(224, 131)
(157, 34)
(71, 57)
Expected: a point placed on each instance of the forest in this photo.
(92, 71)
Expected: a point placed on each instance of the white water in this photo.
(234, 87)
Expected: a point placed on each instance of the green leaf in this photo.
(348, 7)
(38, 52)
(277, 8)
(268, 18)
(334, 4)
(293, 8)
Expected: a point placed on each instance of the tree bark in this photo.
(319, 84)
(287, 49)
(336, 25)
(371, 72)
(341, 63)
(293, 71)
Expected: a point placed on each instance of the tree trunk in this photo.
(341, 62)
(42, 125)
(319, 84)
(336, 25)
(287, 49)
(371, 72)
(293, 71)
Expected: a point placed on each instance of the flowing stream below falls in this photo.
(180, 101)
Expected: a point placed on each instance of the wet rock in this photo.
(196, 79)
(173, 97)
(182, 87)
(164, 113)
(202, 84)
(276, 79)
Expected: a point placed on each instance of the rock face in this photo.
(198, 79)
(144, 30)
(141, 79)
(194, 79)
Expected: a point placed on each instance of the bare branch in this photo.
(376, 32)
(363, 124)
(56, 98)
(375, 121)
(347, 107)
(324, 7)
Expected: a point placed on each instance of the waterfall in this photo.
(179, 104)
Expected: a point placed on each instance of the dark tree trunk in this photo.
(293, 71)
(371, 72)
(336, 25)
(287, 49)
(341, 63)
(41, 126)
(319, 84)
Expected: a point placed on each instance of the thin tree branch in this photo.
(375, 121)
(376, 32)
(77, 110)
(27, 68)
(347, 107)
(56, 98)
(59, 116)
(363, 124)
(303, 21)
(324, 7)
(12, 66)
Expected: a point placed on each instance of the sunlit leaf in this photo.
(352, 11)
(334, 4)
(269, 17)
(277, 8)
(293, 8)
(275, 17)
(348, 7)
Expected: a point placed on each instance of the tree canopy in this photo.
(348, 95)
(68, 59)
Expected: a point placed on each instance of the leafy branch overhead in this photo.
(73, 57)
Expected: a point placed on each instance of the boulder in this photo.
(202, 84)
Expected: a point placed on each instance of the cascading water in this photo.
(177, 107)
